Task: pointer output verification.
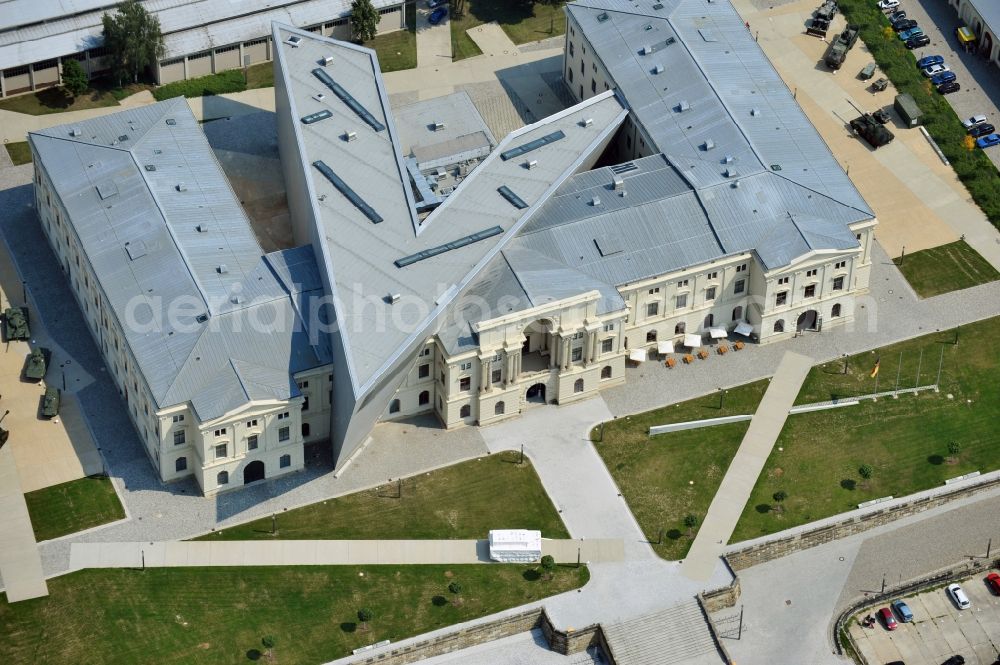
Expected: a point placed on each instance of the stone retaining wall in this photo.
(722, 598)
(764, 552)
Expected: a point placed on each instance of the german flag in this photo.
(878, 361)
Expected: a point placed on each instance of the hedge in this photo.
(973, 167)
(214, 84)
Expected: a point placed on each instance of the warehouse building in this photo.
(983, 18)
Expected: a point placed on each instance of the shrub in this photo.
(455, 588)
(548, 563)
(866, 471)
(365, 615)
(214, 84)
(779, 496)
(690, 521)
(954, 448)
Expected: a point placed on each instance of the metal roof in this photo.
(174, 253)
(360, 257)
(32, 31)
(989, 11)
(417, 123)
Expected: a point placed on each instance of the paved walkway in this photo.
(491, 39)
(319, 552)
(20, 565)
(740, 478)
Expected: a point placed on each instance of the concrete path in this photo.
(433, 41)
(491, 39)
(20, 564)
(319, 552)
(740, 478)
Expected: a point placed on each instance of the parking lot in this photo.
(938, 631)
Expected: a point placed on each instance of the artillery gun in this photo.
(870, 129)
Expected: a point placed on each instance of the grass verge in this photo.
(101, 93)
(971, 165)
(522, 21)
(213, 84)
(459, 501)
(219, 615)
(74, 506)
(667, 477)
(19, 152)
(398, 50)
(946, 268)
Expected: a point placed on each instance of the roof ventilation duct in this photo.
(596, 201)
(319, 96)
(394, 298)
(586, 122)
(683, 106)
(181, 187)
(728, 159)
(438, 126)
(235, 300)
(222, 269)
(75, 132)
(202, 228)
(755, 111)
(326, 61)
(350, 136)
(530, 164)
(647, 50)
(658, 69)
(619, 184)
(709, 144)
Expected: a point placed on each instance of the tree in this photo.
(132, 36)
(954, 448)
(364, 20)
(364, 616)
(779, 496)
(690, 521)
(73, 77)
(548, 563)
(866, 471)
(268, 642)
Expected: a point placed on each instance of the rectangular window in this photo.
(252, 423)
(497, 357)
(178, 418)
(838, 283)
(179, 437)
(810, 291)
(572, 49)
(283, 416)
(682, 300)
(781, 299)
(739, 286)
(252, 442)
(681, 284)
(285, 461)
(305, 402)
(710, 293)
(423, 371)
(782, 280)
(811, 273)
(713, 275)
(593, 85)
(220, 432)
(741, 268)
(577, 354)
(654, 290)
(303, 384)
(652, 309)
(840, 265)
(220, 451)
(465, 384)
(608, 327)
(607, 346)
(465, 366)
(283, 434)
(496, 376)
(578, 335)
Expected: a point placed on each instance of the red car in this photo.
(887, 618)
(994, 581)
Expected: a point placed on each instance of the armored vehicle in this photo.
(15, 323)
(37, 363)
(50, 402)
(820, 23)
(868, 128)
(840, 46)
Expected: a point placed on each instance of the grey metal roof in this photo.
(61, 27)
(360, 256)
(173, 251)
(989, 10)
(415, 122)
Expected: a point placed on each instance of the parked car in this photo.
(890, 621)
(954, 590)
(917, 42)
(437, 15)
(993, 580)
(988, 141)
(431, 4)
(910, 34)
(929, 60)
(982, 130)
(943, 77)
(903, 25)
(897, 16)
(934, 69)
(888, 4)
(974, 120)
(949, 87)
(903, 610)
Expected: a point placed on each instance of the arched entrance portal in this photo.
(254, 471)
(536, 393)
(807, 320)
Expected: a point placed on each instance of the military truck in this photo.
(837, 53)
(822, 17)
(15, 323)
(37, 364)
(50, 402)
(868, 128)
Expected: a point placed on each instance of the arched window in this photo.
(835, 312)
(779, 326)
(737, 312)
(394, 406)
(465, 411)
(606, 372)
(305, 429)
(710, 320)
(680, 328)
(651, 336)
(425, 398)
(498, 409)
(578, 386)
(222, 478)
(181, 464)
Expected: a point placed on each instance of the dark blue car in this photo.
(943, 77)
(929, 60)
(437, 15)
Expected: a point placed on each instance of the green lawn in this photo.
(219, 615)
(522, 21)
(817, 457)
(56, 100)
(19, 152)
(946, 268)
(461, 501)
(398, 50)
(260, 75)
(74, 506)
(655, 474)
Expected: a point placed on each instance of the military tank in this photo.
(870, 129)
(15, 323)
(50, 402)
(837, 53)
(822, 17)
(37, 364)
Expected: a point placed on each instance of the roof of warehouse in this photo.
(439, 260)
(175, 257)
(32, 31)
(989, 10)
(459, 116)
